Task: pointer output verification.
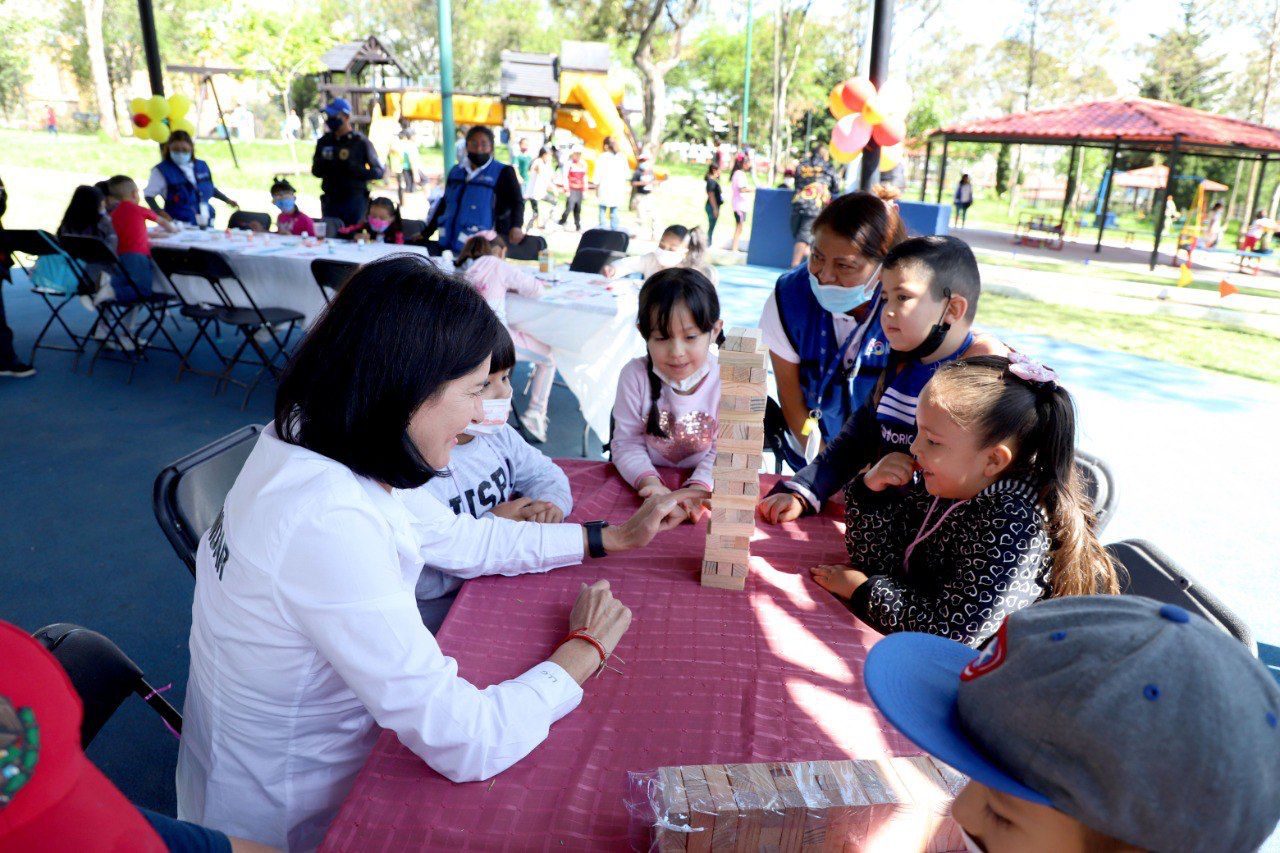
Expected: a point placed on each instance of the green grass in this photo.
(1196, 343)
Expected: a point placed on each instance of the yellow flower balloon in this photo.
(836, 104)
(142, 132)
(178, 106)
(184, 125)
(890, 157)
(159, 132)
(137, 105)
(157, 107)
(841, 157)
(871, 112)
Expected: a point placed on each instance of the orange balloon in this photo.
(856, 92)
(890, 131)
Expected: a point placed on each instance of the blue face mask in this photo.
(285, 204)
(182, 158)
(841, 300)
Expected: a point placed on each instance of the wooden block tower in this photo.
(738, 456)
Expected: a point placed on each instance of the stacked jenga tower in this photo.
(738, 455)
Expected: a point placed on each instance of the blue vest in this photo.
(809, 328)
(468, 205)
(181, 199)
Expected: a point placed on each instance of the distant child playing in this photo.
(678, 247)
(665, 410)
(994, 520)
(382, 224)
(290, 220)
(482, 263)
(130, 219)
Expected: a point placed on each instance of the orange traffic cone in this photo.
(1226, 288)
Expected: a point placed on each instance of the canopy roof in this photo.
(1137, 122)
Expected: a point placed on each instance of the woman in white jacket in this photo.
(306, 636)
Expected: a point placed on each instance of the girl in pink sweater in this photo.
(482, 263)
(665, 410)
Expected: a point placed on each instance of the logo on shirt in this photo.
(19, 748)
(490, 492)
(343, 153)
(990, 658)
(218, 545)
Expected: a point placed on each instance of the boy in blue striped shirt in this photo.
(930, 288)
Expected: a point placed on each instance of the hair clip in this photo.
(1033, 372)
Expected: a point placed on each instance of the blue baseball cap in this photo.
(337, 107)
(1117, 711)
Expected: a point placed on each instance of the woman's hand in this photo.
(840, 581)
(602, 616)
(895, 469)
(783, 507)
(515, 510)
(657, 513)
(650, 486)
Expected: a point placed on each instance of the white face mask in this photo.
(689, 382)
(969, 844)
(668, 257)
(496, 412)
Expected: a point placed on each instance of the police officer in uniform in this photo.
(345, 163)
(481, 194)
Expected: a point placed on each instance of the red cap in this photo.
(52, 799)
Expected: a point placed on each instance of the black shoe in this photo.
(17, 370)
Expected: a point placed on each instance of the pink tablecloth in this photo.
(711, 676)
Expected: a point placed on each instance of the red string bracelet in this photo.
(581, 634)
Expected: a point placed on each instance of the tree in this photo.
(98, 65)
(1178, 68)
(17, 37)
(789, 21)
(666, 23)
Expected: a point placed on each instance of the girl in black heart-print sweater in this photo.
(985, 517)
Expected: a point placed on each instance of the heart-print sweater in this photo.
(988, 558)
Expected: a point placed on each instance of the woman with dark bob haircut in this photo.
(306, 637)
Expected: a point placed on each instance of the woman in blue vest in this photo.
(820, 314)
(481, 194)
(183, 183)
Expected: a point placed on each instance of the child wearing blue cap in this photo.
(995, 521)
(1098, 723)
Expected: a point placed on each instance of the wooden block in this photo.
(744, 529)
(741, 339)
(741, 389)
(702, 813)
(739, 445)
(726, 557)
(753, 418)
(756, 374)
(754, 461)
(733, 474)
(743, 359)
(673, 809)
(732, 515)
(724, 499)
(740, 570)
(791, 804)
(724, 836)
(735, 431)
(724, 582)
(752, 803)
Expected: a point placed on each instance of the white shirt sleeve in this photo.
(156, 184)
(532, 473)
(346, 594)
(771, 331)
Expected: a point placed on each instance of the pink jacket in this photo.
(494, 278)
(689, 419)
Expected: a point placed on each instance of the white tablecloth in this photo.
(588, 323)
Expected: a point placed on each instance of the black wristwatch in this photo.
(595, 538)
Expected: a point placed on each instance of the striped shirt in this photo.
(896, 411)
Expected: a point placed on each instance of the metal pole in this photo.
(444, 12)
(928, 155)
(222, 120)
(881, 35)
(1110, 178)
(1070, 188)
(746, 87)
(1257, 190)
(147, 18)
(942, 171)
(1164, 194)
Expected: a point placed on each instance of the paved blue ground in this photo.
(80, 543)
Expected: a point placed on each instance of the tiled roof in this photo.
(1131, 119)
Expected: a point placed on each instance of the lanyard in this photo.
(923, 534)
(854, 338)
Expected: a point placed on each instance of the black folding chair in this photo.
(592, 261)
(330, 275)
(114, 314)
(172, 263)
(434, 248)
(1151, 573)
(527, 249)
(1099, 486)
(39, 244)
(188, 494)
(411, 228)
(102, 675)
(248, 218)
(604, 238)
(248, 318)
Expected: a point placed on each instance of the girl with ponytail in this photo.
(665, 410)
(986, 516)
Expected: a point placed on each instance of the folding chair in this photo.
(249, 321)
(527, 249)
(604, 238)
(171, 263)
(1099, 486)
(592, 260)
(39, 244)
(330, 275)
(102, 675)
(1152, 574)
(246, 218)
(114, 314)
(188, 494)
(435, 249)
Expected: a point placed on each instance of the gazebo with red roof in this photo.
(1128, 124)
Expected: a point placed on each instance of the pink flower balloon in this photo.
(851, 134)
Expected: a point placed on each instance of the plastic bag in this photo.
(892, 804)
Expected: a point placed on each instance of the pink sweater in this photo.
(297, 223)
(689, 419)
(494, 277)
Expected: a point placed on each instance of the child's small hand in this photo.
(543, 512)
(650, 486)
(780, 508)
(696, 507)
(895, 469)
(514, 510)
(840, 581)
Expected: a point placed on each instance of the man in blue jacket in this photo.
(481, 194)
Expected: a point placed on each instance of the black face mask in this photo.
(333, 123)
(477, 159)
(933, 340)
